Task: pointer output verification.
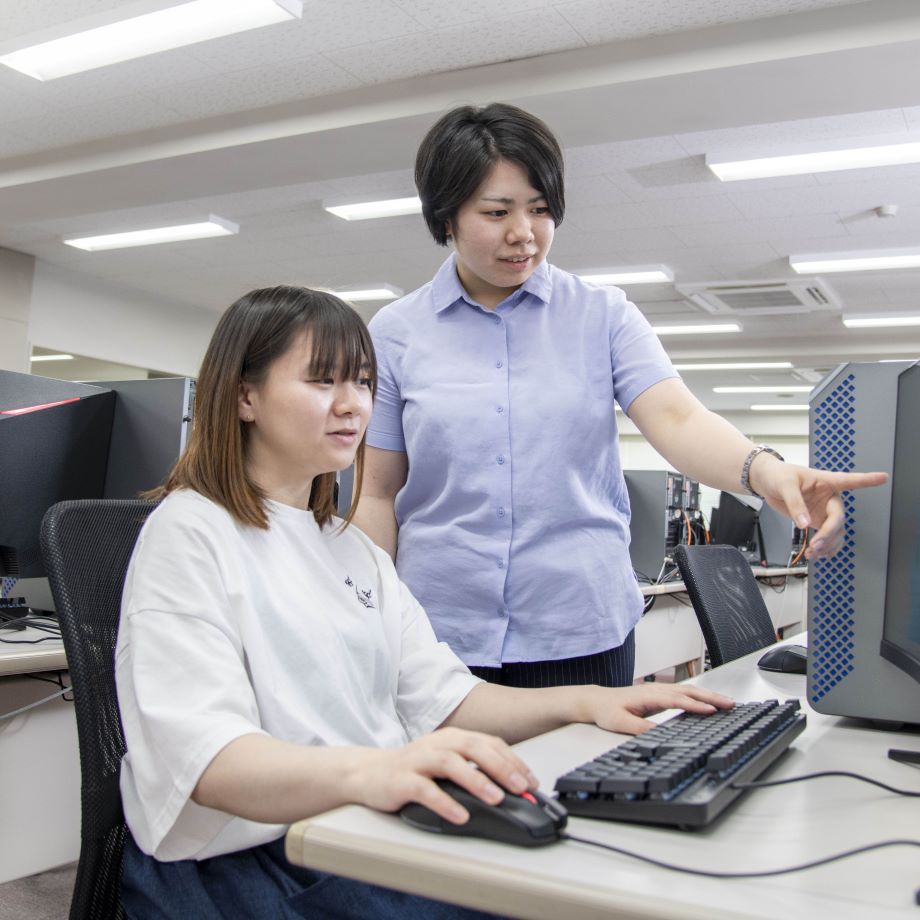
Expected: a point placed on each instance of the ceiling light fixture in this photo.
(697, 329)
(213, 226)
(868, 322)
(368, 210)
(737, 366)
(173, 27)
(866, 261)
(51, 358)
(776, 389)
(779, 407)
(823, 161)
(380, 292)
(639, 274)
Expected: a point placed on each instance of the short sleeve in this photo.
(433, 681)
(385, 429)
(637, 357)
(183, 688)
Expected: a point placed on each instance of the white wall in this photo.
(72, 312)
(16, 272)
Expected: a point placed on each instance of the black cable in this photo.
(51, 638)
(57, 681)
(765, 873)
(762, 784)
(43, 623)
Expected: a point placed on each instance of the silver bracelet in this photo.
(746, 469)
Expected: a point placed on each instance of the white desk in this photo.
(669, 634)
(29, 659)
(39, 763)
(768, 828)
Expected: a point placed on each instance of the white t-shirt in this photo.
(300, 633)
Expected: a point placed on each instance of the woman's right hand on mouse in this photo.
(387, 779)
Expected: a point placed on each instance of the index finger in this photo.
(844, 482)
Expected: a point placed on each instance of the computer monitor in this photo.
(735, 524)
(54, 443)
(901, 629)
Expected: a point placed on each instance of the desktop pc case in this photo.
(656, 500)
(852, 428)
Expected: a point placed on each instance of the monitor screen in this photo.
(901, 631)
(735, 523)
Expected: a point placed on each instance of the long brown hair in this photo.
(250, 336)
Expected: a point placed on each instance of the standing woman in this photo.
(493, 476)
(270, 665)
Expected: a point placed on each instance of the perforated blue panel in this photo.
(831, 635)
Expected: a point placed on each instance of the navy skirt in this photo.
(258, 883)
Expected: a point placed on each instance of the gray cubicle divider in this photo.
(149, 431)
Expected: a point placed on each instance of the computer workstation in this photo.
(59, 440)
(872, 680)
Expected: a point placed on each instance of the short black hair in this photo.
(463, 145)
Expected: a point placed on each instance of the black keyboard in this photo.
(681, 772)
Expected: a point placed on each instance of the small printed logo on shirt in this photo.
(365, 598)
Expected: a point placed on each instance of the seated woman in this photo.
(270, 664)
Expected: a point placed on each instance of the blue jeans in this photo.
(260, 883)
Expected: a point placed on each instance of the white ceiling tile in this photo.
(624, 19)
(674, 213)
(257, 87)
(590, 191)
(593, 159)
(15, 138)
(456, 48)
(322, 30)
(35, 15)
(105, 119)
(435, 14)
(800, 135)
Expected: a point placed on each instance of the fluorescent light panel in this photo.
(824, 161)
(779, 407)
(368, 210)
(381, 292)
(213, 226)
(868, 322)
(51, 358)
(737, 366)
(776, 389)
(856, 261)
(697, 329)
(173, 27)
(640, 274)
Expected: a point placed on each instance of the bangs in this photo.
(341, 343)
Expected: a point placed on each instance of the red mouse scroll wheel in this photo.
(529, 797)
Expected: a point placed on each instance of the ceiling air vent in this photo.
(761, 298)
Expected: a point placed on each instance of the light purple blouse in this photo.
(514, 520)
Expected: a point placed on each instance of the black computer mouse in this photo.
(529, 820)
(788, 659)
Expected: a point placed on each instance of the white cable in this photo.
(47, 699)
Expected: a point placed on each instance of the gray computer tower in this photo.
(852, 424)
(657, 522)
(149, 431)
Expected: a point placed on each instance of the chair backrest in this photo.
(727, 601)
(86, 547)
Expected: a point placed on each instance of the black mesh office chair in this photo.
(86, 547)
(727, 601)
